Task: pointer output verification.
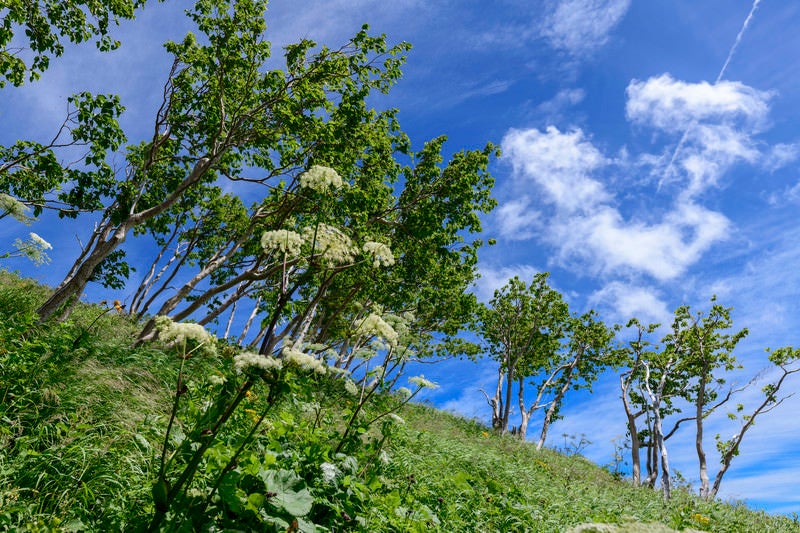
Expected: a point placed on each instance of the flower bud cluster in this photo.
(321, 179)
(246, 360)
(287, 241)
(375, 325)
(381, 253)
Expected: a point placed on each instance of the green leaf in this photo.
(290, 492)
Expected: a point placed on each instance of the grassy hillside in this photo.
(84, 417)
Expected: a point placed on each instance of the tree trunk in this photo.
(73, 287)
(84, 267)
(551, 411)
(701, 454)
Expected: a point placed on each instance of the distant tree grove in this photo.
(280, 206)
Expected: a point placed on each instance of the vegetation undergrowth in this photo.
(83, 448)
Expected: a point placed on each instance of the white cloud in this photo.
(516, 219)
(562, 101)
(673, 105)
(781, 155)
(493, 278)
(716, 123)
(581, 26)
(560, 163)
(626, 301)
(585, 224)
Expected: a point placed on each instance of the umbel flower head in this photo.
(381, 254)
(303, 360)
(247, 360)
(331, 244)
(287, 241)
(34, 249)
(11, 206)
(375, 325)
(179, 332)
(423, 383)
(321, 179)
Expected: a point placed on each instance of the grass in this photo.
(83, 420)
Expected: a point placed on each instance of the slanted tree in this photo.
(224, 113)
(522, 329)
(586, 353)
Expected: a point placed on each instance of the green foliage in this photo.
(83, 449)
(48, 24)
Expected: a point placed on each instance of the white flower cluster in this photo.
(246, 360)
(423, 383)
(381, 253)
(375, 325)
(15, 208)
(304, 361)
(334, 246)
(321, 179)
(329, 472)
(34, 249)
(397, 419)
(351, 387)
(404, 392)
(285, 240)
(217, 379)
(182, 331)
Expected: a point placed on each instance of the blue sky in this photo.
(650, 156)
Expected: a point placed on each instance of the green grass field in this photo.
(84, 415)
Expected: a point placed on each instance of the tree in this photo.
(522, 328)
(223, 115)
(704, 348)
(587, 353)
(47, 23)
(689, 373)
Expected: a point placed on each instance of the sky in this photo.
(649, 160)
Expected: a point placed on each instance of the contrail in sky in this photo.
(732, 51)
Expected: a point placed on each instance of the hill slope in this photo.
(85, 415)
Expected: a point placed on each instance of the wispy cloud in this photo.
(588, 227)
(581, 26)
(517, 220)
(619, 302)
(492, 278)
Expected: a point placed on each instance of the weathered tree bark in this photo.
(110, 237)
(551, 411)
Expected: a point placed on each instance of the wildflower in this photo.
(287, 241)
(397, 419)
(39, 242)
(331, 244)
(375, 325)
(11, 206)
(34, 249)
(303, 360)
(246, 360)
(423, 383)
(184, 331)
(329, 472)
(350, 386)
(404, 392)
(321, 179)
(381, 253)
(216, 379)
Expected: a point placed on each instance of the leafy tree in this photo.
(688, 374)
(47, 24)
(586, 354)
(522, 328)
(224, 115)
